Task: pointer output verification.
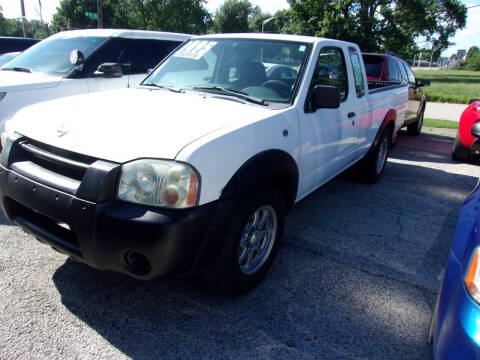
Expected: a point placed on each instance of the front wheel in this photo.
(250, 244)
(416, 127)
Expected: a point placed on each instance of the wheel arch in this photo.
(270, 167)
(387, 123)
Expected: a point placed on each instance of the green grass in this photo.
(437, 123)
(453, 86)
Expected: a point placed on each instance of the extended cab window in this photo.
(329, 70)
(357, 72)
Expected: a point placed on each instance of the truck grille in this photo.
(57, 160)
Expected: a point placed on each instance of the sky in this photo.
(464, 39)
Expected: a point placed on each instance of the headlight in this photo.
(2, 95)
(159, 183)
(472, 278)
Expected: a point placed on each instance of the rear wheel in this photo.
(372, 165)
(250, 244)
(416, 127)
(460, 153)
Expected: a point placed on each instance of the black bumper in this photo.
(139, 241)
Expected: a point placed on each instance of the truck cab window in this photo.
(357, 72)
(329, 70)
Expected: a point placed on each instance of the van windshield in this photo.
(266, 70)
(53, 55)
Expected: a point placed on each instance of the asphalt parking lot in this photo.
(356, 278)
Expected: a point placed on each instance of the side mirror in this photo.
(325, 97)
(423, 82)
(109, 70)
(76, 57)
(476, 130)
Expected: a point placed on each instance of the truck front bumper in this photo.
(139, 241)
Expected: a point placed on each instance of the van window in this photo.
(410, 74)
(115, 50)
(147, 53)
(394, 73)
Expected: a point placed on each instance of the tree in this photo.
(233, 16)
(188, 16)
(379, 25)
(472, 52)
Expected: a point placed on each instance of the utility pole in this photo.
(100, 14)
(22, 5)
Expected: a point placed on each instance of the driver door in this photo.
(116, 50)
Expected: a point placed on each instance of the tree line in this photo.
(376, 25)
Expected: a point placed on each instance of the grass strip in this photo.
(452, 86)
(443, 124)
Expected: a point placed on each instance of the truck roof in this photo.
(125, 33)
(267, 36)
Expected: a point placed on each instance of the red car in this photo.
(466, 145)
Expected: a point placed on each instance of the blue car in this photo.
(455, 326)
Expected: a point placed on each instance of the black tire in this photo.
(225, 271)
(460, 153)
(433, 321)
(416, 127)
(371, 167)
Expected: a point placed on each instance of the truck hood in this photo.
(11, 81)
(126, 124)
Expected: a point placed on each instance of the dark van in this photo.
(13, 44)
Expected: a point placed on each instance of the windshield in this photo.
(4, 58)
(265, 70)
(53, 55)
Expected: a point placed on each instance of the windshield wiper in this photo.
(239, 94)
(18, 68)
(166, 87)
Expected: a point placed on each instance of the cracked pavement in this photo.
(355, 278)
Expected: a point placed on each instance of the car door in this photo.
(414, 96)
(325, 133)
(359, 113)
(115, 50)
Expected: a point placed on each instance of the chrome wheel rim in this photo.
(257, 239)
(382, 155)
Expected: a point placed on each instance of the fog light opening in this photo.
(137, 263)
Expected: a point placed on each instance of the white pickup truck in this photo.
(197, 167)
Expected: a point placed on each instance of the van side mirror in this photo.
(325, 97)
(476, 130)
(423, 82)
(76, 57)
(109, 70)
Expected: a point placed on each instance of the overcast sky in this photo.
(463, 39)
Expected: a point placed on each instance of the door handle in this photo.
(351, 114)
